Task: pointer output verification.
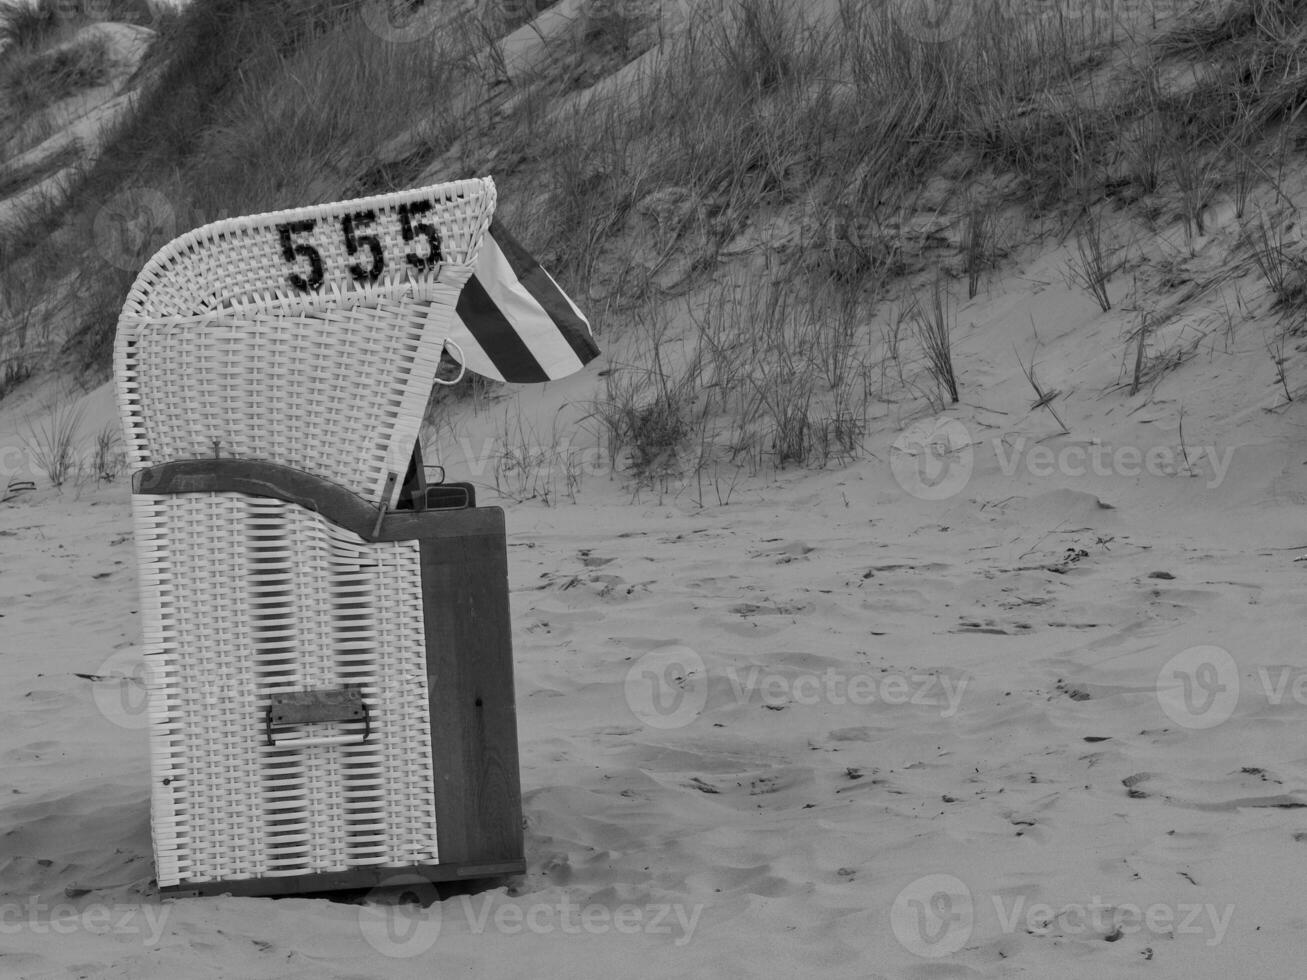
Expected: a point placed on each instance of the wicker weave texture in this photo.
(244, 597)
(339, 394)
(218, 351)
(241, 262)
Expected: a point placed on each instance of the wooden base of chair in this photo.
(353, 879)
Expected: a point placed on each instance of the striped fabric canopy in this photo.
(513, 321)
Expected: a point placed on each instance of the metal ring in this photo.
(462, 367)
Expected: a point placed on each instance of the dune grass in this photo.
(31, 81)
(28, 25)
(33, 24)
(52, 442)
(14, 179)
(310, 134)
(809, 133)
(837, 124)
(259, 104)
(764, 106)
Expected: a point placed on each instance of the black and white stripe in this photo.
(517, 324)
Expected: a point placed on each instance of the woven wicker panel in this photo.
(244, 597)
(242, 262)
(340, 394)
(219, 351)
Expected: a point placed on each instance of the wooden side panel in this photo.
(470, 686)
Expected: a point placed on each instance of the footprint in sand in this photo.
(1250, 787)
(786, 553)
(774, 608)
(993, 627)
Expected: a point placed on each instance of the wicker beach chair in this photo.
(331, 678)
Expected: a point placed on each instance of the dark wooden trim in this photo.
(326, 881)
(261, 478)
(344, 508)
(445, 525)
